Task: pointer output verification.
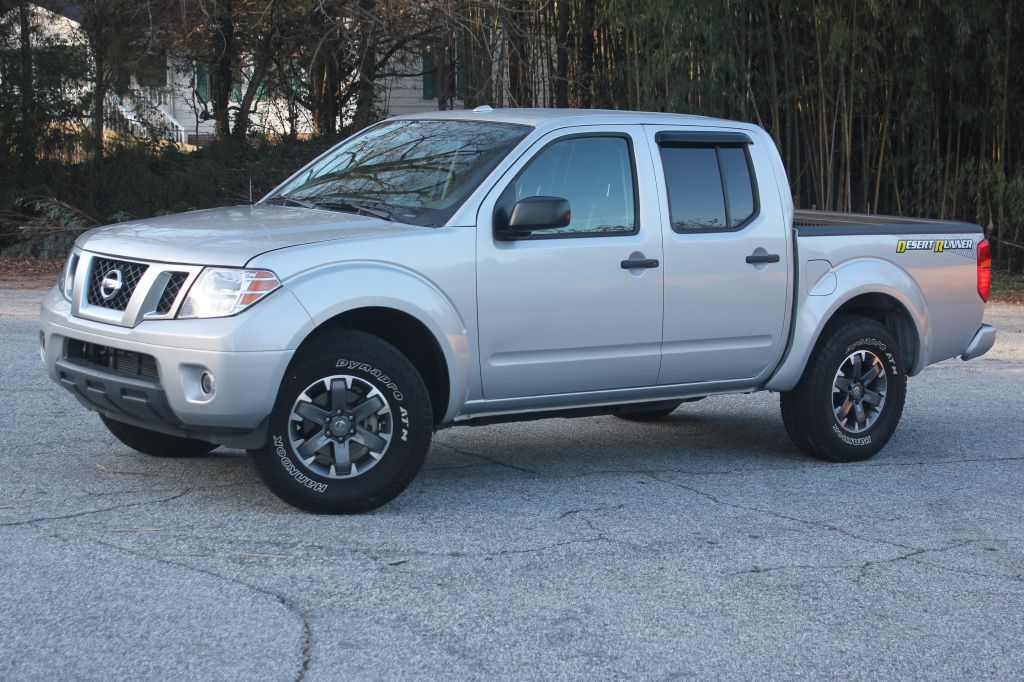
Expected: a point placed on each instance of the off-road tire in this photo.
(154, 443)
(648, 415)
(377, 366)
(808, 411)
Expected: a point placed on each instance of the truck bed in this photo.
(834, 224)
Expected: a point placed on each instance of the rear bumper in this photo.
(981, 343)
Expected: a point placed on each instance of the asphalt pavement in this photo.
(703, 546)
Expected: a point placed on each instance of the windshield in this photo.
(415, 172)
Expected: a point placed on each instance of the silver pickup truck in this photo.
(475, 266)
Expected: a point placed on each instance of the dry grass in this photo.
(1007, 288)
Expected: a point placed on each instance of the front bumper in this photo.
(247, 355)
(981, 343)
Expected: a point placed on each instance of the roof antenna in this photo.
(250, 190)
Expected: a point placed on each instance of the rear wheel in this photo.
(351, 426)
(155, 443)
(850, 398)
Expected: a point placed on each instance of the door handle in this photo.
(639, 263)
(763, 258)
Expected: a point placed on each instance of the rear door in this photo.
(726, 255)
(561, 311)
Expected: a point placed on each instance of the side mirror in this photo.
(532, 214)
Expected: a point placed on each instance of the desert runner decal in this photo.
(935, 245)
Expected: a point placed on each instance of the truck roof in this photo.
(553, 118)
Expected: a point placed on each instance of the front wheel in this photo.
(850, 397)
(351, 426)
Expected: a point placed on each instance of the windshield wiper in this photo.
(288, 201)
(349, 207)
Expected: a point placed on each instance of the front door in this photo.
(572, 310)
(727, 257)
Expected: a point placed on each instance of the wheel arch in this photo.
(891, 297)
(403, 309)
(886, 309)
(406, 333)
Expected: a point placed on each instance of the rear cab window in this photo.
(709, 181)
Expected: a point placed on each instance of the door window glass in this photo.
(709, 187)
(595, 174)
(694, 183)
(736, 177)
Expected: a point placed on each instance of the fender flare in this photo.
(328, 291)
(853, 278)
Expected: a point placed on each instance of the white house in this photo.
(169, 98)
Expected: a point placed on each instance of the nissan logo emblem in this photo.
(111, 284)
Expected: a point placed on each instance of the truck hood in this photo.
(230, 236)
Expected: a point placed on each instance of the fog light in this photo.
(207, 383)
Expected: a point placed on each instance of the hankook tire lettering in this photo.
(302, 478)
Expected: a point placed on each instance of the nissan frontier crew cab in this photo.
(466, 267)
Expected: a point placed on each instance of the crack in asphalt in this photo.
(135, 491)
(1016, 578)
(497, 462)
(600, 533)
(589, 510)
(796, 519)
(911, 555)
(864, 567)
(90, 512)
(309, 635)
(537, 550)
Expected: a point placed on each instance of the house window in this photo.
(151, 71)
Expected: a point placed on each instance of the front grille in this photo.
(130, 274)
(174, 285)
(104, 357)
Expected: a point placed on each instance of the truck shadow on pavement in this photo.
(493, 455)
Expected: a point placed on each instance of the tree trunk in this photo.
(324, 94)
(479, 83)
(773, 73)
(443, 74)
(366, 73)
(518, 65)
(587, 47)
(27, 136)
(99, 94)
(224, 60)
(263, 56)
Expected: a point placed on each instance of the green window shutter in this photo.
(202, 83)
(429, 75)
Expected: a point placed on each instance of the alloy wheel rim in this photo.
(858, 391)
(340, 426)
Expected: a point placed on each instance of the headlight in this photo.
(221, 293)
(66, 283)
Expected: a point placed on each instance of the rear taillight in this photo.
(984, 269)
